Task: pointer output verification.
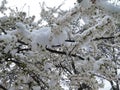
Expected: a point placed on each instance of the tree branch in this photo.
(31, 73)
(74, 68)
(64, 53)
(63, 67)
(103, 38)
(3, 30)
(26, 49)
(69, 40)
(112, 84)
(22, 42)
(84, 86)
(2, 87)
(36, 78)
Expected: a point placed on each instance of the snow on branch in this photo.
(46, 53)
(96, 31)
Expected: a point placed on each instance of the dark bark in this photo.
(64, 68)
(103, 38)
(3, 30)
(64, 53)
(84, 86)
(3, 88)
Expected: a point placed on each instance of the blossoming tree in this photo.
(61, 53)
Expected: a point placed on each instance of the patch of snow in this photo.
(40, 37)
